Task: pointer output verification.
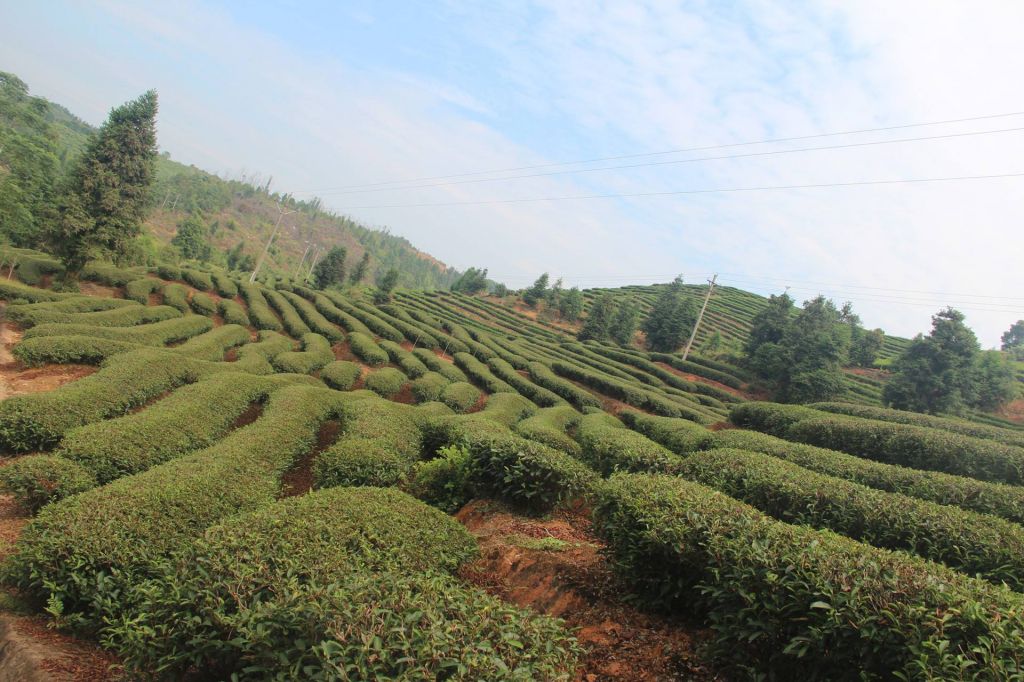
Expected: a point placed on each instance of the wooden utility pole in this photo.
(281, 213)
(693, 334)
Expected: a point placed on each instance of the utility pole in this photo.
(299, 268)
(280, 214)
(693, 334)
(316, 256)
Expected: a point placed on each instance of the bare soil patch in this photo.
(251, 414)
(342, 351)
(444, 356)
(94, 289)
(1013, 411)
(404, 396)
(480, 403)
(299, 479)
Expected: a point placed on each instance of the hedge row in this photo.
(316, 352)
(232, 602)
(155, 334)
(460, 396)
(791, 602)
(203, 304)
(32, 268)
(386, 381)
(200, 280)
(436, 364)
(550, 426)
(139, 290)
(339, 317)
(312, 317)
(64, 350)
(168, 271)
(544, 377)
(970, 542)
(681, 436)
(538, 394)
(607, 447)
(409, 363)
(36, 480)
(84, 554)
(293, 323)
(259, 311)
(341, 375)
(124, 316)
(108, 274)
(176, 296)
(481, 375)
(1002, 500)
(15, 291)
(771, 418)
(628, 393)
(255, 358)
(232, 312)
(224, 285)
(30, 314)
(722, 377)
(410, 329)
(429, 387)
(366, 349)
(507, 408)
(212, 345)
(374, 323)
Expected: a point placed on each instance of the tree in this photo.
(865, 346)
(500, 290)
(191, 239)
(1013, 340)
(599, 319)
(995, 383)
(553, 296)
(472, 281)
(671, 318)
(360, 270)
(935, 374)
(237, 259)
(816, 345)
(330, 270)
(107, 194)
(570, 306)
(385, 285)
(623, 326)
(536, 292)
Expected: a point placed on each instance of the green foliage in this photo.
(108, 190)
(313, 318)
(443, 482)
(550, 425)
(259, 312)
(386, 382)
(385, 285)
(481, 375)
(176, 296)
(1012, 340)
(341, 374)
(865, 346)
(470, 282)
(330, 270)
(460, 396)
(193, 239)
(316, 352)
(63, 350)
(37, 480)
(628, 392)
(436, 364)
(293, 322)
(121, 316)
(154, 334)
(359, 271)
(203, 304)
(624, 324)
(995, 381)
(139, 290)
(607, 447)
(429, 387)
(543, 376)
(409, 363)
(681, 436)
(570, 305)
(366, 349)
(169, 272)
(599, 319)
(536, 291)
(224, 285)
(671, 319)
(538, 394)
(232, 312)
(359, 462)
(16, 291)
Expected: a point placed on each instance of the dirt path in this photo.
(555, 566)
(18, 380)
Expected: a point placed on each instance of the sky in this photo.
(411, 114)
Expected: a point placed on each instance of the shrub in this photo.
(84, 553)
(212, 345)
(366, 349)
(429, 387)
(549, 426)
(460, 396)
(771, 418)
(538, 394)
(176, 296)
(1006, 501)
(631, 394)
(155, 334)
(507, 408)
(970, 542)
(409, 363)
(701, 370)
(526, 474)
(385, 382)
(139, 290)
(108, 274)
(232, 312)
(124, 316)
(608, 446)
(203, 304)
(255, 357)
(293, 323)
(200, 280)
(312, 317)
(224, 285)
(259, 312)
(32, 268)
(796, 603)
(443, 482)
(391, 425)
(543, 376)
(285, 589)
(359, 462)
(168, 272)
(84, 350)
(37, 480)
(368, 319)
(16, 291)
(339, 317)
(341, 374)
(316, 352)
(480, 375)
(436, 364)
(30, 314)
(681, 436)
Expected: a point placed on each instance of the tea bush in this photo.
(200, 280)
(386, 381)
(543, 376)
(436, 364)
(429, 387)
(232, 312)
(259, 311)
(538, 394)
(341, 374)
(176, 296)
(409, 363)
(293, 323)
(224, 285)
(549, 426)
(460, 396)
(155, 334)
(681, 436)
(316, 352)
(203, 304)
(608, 446)
(139, 290)
(37, 480)
(83, 350)
(366, 349)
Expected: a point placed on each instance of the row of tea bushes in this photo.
(366, 349)
(233, 312)
(409, 363)
(121, 316)
(538, 394)
(154, 334)
(480, 375)
(313, 318)
(316, 352)
(607, 447)
(543, 376)
(550, 426)
(290, 317)
(436, 364)
(260, 314)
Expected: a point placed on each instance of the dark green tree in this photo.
(472, 281)
(385, 285)
(671, 318)
(624, 324)
(995, 382)
(192, 240)
(330, 270)
(360, 270)
(1013, 340)
(936, 373)
(865, 346)
(536, 292)
(816, 346)
(500, 290)
(237, 259)
(599, 319)
(570, 307)
(107, 193)
(553, 296)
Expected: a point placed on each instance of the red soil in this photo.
(479, 405)
(343, 352)
(444, 356)
(1013, 411)
(299, 479)
(405, 395)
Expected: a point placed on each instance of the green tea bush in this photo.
(444, 481)
(339, 317)
(631, 394)
(316, 352)
(191, 418)
(359, 462)
(409, 328)
(367, 318)
(722, 377)
(232, 312)
(293, 323)
(212, 345)
(139, 290)
(83, 350)
(771, 418)
(543, 376)
(16, 291)
(973, 543)
(367, 350)
(124, 316)
(203, 304)
(436, 364)
(37, 480)
(341, 374)
(681, 436)
(480, 375)
(409, 363)
(458, 431)
(224, 285)
(392, 425)
(608, 446)
(32, 269)
(538, 394)
(200, 280)
(549, 426)
(312, 317)
(30, 314)
(793, 603)
(526, 474)
(259, 312)
(1002, 500)
(170, 272)
(285, 589)
(111, 275)
(176, 296)
(83, 554)
(460, 396)
(429, 387)
(386, 381)
(507, 408)
(155, 334)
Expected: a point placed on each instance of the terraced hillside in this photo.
(210, 476)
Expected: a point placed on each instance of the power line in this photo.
(673, 151)
(724, 190)
(648, 164)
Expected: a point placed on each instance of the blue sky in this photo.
(326, 95)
